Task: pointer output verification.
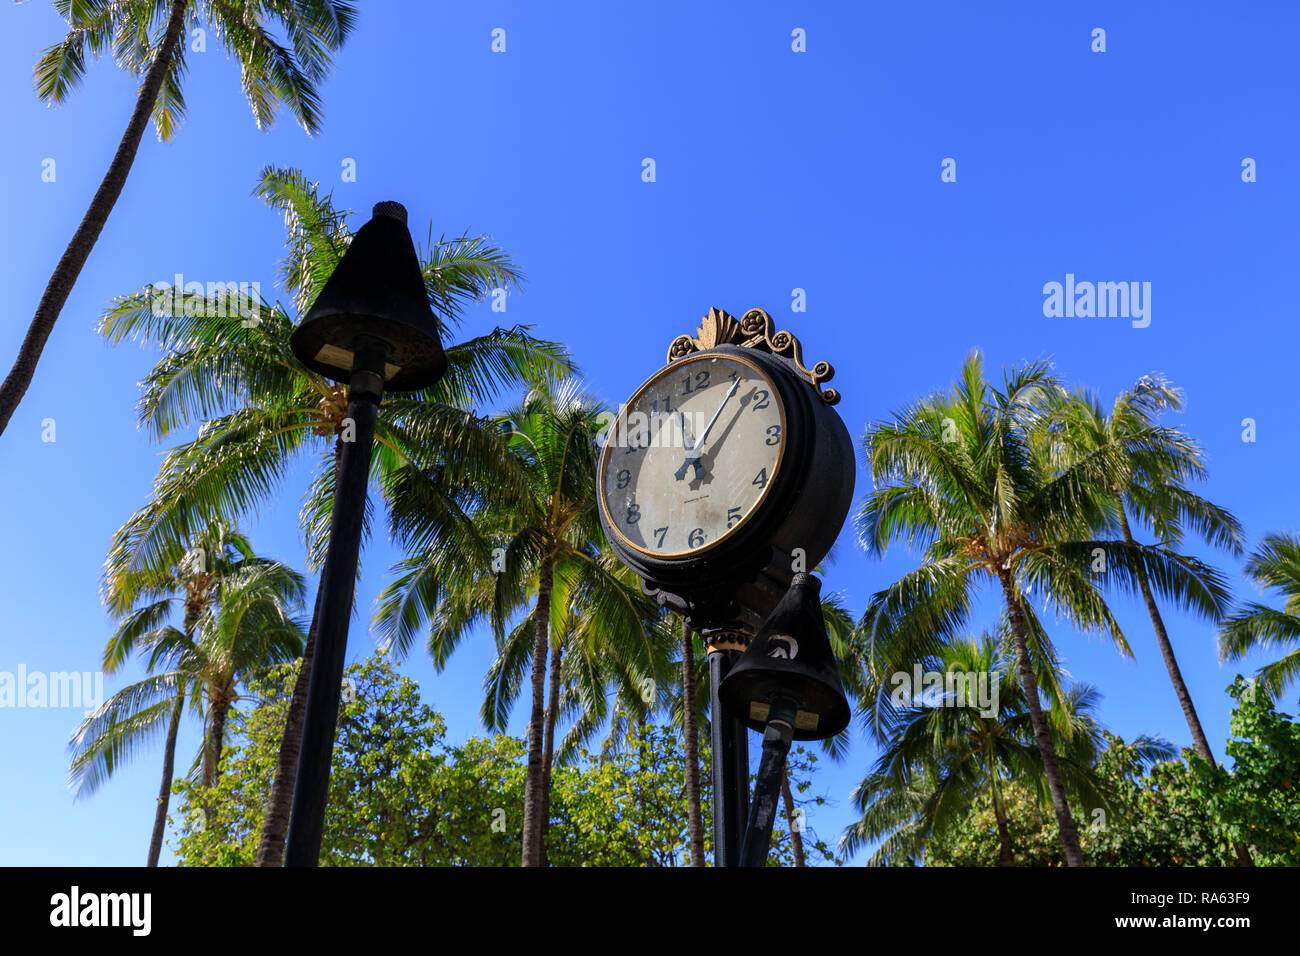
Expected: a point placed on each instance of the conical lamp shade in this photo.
(376, 290)
(790, 658)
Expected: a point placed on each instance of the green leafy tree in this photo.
(1154, 816)
(402, 795)
(147, 40)
(966, 477)
(975, 840)
(1155, 819)
(1258, 801)
(262, 410)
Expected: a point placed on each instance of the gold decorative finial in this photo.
(754, 330)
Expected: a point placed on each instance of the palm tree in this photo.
(541, 517)
(1156, 462)
(147, 40)
(249, 628)
(966, 477)
(1275, 564)
(691, 748)
(590, 665)
(236, 620)
(944, 750)
(262, 410)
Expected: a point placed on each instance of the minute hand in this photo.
(693, 454)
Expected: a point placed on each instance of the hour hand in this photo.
(687, 442)
(692, 451)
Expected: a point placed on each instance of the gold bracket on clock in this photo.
(754, 330)
(726, 639)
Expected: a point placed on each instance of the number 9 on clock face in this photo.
(692, 455)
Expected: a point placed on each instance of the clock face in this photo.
(692, 455)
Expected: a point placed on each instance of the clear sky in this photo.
(776, 170)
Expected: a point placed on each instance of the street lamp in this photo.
(372, 328)
(786, 687)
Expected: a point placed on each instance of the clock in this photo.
(723, 474)
(693, 456)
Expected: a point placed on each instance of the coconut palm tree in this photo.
(1155, 464)
(147, 40)
(1151, 484)
(691, 749)
(536, 550)
(965, 477)
(595, 674)
(945, 749)
(262, 410)
(1274, 565)
(236, 619)
(249, 627)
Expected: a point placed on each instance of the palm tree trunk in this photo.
(552, 715)
(275, 825)
(83, 240)
(1167, 652)
(796, 837)
(642, 810)
(533, 797)
(220, 711)
(165, 790)
(1064, 819)
(208, 719)
(690, 734)
(1005, 856)
(1175, 673)
(615, 720)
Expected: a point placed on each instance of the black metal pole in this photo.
(730, 742)
(338, 582)
(767, 787)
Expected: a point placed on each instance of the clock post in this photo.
(725, 475)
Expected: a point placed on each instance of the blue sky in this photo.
(775, 170)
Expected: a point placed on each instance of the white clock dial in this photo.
(692, 455)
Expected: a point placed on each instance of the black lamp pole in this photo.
(730, 744)
(338, 582)
(767, 786)
(372, 328)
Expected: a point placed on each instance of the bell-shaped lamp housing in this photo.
(376, 290)
(790, 659)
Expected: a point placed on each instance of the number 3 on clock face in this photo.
(692, 455)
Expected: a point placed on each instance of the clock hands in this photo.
(686, 442)
(693, 452)
(709, 427)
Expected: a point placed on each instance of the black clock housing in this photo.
(740, 581)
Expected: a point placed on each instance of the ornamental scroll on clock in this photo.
(726, 472)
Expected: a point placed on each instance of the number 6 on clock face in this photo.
(692, 455)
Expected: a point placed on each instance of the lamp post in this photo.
(785, 686)
(370, 327)
(730, 748)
